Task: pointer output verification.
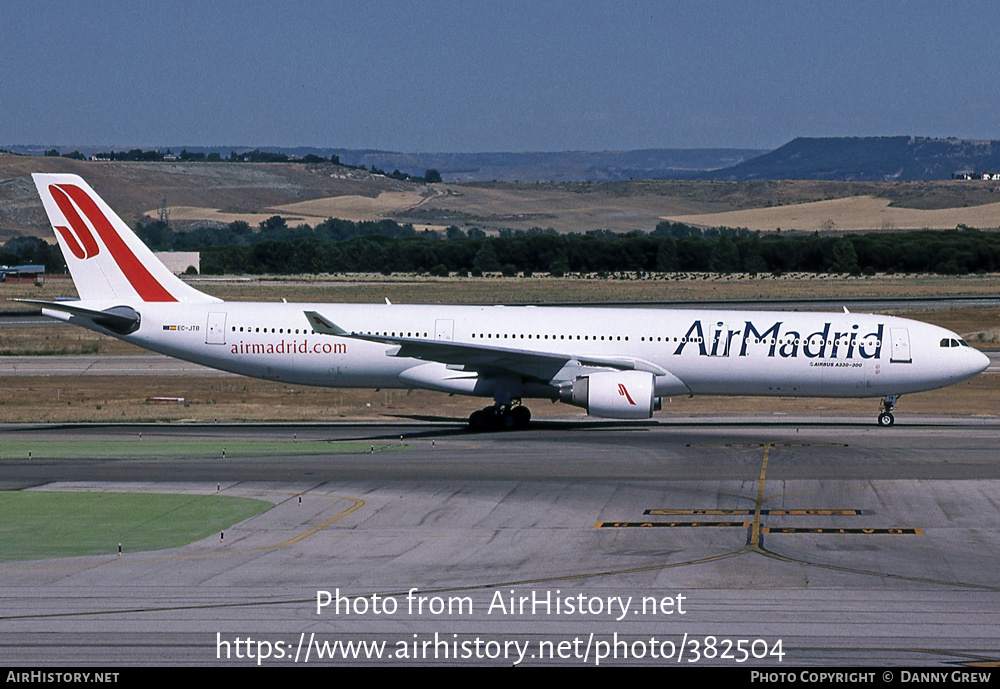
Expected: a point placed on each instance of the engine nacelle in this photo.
(616, 394)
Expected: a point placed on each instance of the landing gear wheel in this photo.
(499, 419)
(487, 419)
(521, 416)
(885, 418)
(478, 421)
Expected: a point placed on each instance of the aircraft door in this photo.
(444, 330)
(900, 346)
(719, 340)
(215, 330)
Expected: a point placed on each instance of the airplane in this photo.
(613, 362)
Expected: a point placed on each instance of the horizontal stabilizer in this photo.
(122, 320)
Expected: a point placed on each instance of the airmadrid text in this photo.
(720, 340)
(288, 347)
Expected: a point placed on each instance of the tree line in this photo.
(32, 251)
(339, 246)
(430, 176)
(386, 246)
(156, 155)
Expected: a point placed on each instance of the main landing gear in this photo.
(506, 417)
(885, 417)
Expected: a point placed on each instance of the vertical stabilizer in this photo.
(105, 257)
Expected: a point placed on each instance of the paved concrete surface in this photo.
(835, 543)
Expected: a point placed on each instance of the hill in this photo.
(226, 189)
(565, 166)
(874, 159)
(200, 193)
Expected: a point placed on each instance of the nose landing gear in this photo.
(885, 417)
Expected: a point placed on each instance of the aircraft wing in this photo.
(545, 367)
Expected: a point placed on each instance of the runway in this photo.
(146, 364)
(832, 543)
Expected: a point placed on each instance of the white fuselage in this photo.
(702, 352)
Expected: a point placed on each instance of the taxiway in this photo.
(850, 544)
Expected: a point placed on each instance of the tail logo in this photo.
(72, 201)
(623, 391)
(80, 239)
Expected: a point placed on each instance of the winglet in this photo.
(322, 325)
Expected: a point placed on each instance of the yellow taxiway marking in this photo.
(836, 530)
(720, 512)
(624, 525)
(756, 528)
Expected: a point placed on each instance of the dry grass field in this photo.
(857, 213)
(640, 205)
(662, 287)
(61, 399)
(625, 288)
(352, 207)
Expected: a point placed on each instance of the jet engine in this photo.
(616, 394)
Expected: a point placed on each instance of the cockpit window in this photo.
(952, 342)
(946, 342)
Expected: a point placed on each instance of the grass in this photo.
(31, 347)
(854, 214)
(624, 287)
(41, 524)
(118, 399)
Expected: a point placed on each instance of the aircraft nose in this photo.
(980, 362)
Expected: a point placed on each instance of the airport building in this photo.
(26, 273)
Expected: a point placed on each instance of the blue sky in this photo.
(494, 76)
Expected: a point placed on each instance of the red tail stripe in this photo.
(148, 288)
(70, 240)
(82, 243)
